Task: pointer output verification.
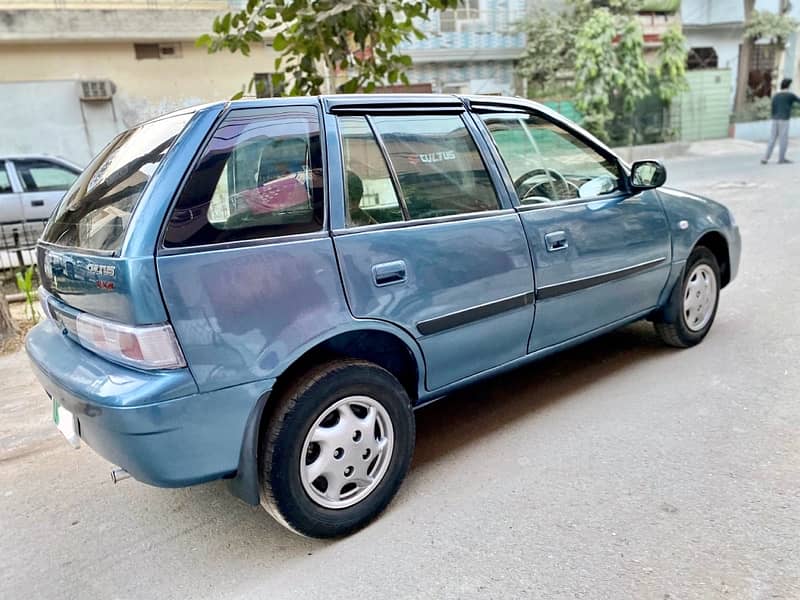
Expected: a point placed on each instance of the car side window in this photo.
(44, 176)
(369, 191)
(5, 182)
(437, 163)
(547, 163)
(260, 176)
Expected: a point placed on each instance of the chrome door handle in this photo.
(556, 240)
(389, 273)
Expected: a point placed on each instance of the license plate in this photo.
(65, 421)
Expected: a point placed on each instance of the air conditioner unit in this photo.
(97, 90)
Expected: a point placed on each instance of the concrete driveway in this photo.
(621, 469)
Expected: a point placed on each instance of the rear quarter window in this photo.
(260, 176)
(96, 211)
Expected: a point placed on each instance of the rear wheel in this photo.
(688, 316)
(336, 449)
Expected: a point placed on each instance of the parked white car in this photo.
(31, 186)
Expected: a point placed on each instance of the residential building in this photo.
(470, 49)
(714, 30)
(76, 72)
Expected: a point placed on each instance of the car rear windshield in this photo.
(96, 210)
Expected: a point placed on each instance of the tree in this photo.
(671, 67)
(7, 326)
(596, 54)
(745, 53)
(549, 56)
(595, 71)
(360, 38)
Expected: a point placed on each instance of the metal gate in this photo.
(703, 112)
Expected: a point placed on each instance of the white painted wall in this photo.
(47, 117)
(758, 131)
(725, 40)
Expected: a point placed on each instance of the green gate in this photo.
(703, 112)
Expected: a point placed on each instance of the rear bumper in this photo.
(155, 424)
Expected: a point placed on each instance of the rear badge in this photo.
(107, 270)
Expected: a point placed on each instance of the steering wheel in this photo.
(546, 179)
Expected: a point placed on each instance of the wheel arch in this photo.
(376, 342)
(718, 246)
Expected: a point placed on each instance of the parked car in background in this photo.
(31, 187)
(263, 291)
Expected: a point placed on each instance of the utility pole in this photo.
(745, 53)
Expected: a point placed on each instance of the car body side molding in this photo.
(574, 285)
(475, 313)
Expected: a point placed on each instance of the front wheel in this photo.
(336, 449)
(688, 316)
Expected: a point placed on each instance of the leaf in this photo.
(203, 40)
(279, 43)
(238, 95)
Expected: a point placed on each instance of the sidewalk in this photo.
(705, 148)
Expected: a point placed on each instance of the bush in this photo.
(756, 110)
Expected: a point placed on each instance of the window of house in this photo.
(763, 65)
(264, 87)
(548, 163)
(44, 176)
(370, 195)
(157, 51)
(702, 58)
(467, 10)
(5, 182)
(260, 176)
(438, 166)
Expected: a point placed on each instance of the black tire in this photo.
(671, 325)
(296, 411)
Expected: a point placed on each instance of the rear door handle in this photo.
(389, 273)
(37, 202)
(556, 240)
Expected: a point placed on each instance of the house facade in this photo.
(714, 30)
(76, 72)
(471, 49)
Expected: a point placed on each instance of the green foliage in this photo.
(758, 110)
(632, 71)
(595, 71)
(594, 51)
(317, 38)
(766, 25)
(671, 67)
(549, 55)
(26, 286)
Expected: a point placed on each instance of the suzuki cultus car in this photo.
(263, 291)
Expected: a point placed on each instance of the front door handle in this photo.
(37, 202)
(389, 273)
(556, 240)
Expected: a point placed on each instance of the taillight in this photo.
(145, 347)
(44, 295)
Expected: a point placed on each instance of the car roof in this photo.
(44, 156)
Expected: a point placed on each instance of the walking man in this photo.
(781, 112)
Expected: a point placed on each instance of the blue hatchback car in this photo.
(263, 291)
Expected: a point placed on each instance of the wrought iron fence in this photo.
(18, 245)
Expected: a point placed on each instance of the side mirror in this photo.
(647, 174)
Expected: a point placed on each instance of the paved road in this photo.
(619, 470)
